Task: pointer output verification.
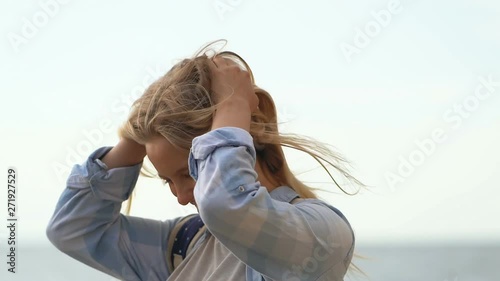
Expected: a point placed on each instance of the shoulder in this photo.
(331, 227)
(323, 213)
(321, 206)
(183, 238)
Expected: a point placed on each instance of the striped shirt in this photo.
(257, 233)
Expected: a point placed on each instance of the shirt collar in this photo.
(283, 193)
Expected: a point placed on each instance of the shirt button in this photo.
(241, 188)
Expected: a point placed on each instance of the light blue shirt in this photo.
(309, 240)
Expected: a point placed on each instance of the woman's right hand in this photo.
(126, 153)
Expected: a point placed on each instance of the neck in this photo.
(268, 182)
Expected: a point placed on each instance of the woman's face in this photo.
(172, 166)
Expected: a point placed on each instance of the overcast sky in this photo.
(409, 91)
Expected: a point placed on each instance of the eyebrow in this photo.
(176, 172)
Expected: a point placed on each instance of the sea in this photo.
(379, 262)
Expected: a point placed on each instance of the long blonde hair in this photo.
(179, 106)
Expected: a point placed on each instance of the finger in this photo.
(212, 65)
(220, 61)
(228, 62)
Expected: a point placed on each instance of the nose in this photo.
(185, 197)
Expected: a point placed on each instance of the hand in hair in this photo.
(126, 153)
(233, 93)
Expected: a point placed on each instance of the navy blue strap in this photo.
(185, 236)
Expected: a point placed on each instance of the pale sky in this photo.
(413, 92)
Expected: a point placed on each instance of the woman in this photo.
(212, 136)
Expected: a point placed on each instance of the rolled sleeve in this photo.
(104, 182)
(205, 144)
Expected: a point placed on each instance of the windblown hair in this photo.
(180, 106)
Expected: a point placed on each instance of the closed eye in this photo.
(169, 181)
(165, 181)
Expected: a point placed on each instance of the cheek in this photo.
(188, 185)
(172, 189)
(184, 186)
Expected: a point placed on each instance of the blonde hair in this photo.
(179, 106)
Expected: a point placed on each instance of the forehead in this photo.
(165, 157)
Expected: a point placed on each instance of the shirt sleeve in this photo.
(88, 226)
(282, 241)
